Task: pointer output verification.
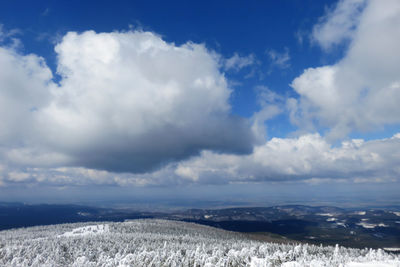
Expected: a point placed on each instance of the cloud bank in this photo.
(308, 158)
(126, 102)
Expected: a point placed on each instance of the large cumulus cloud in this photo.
(362, 91)
(126, 102)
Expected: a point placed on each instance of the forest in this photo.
(149, 242)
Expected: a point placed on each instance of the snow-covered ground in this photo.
(167, 243)
(87, 230)
(360, 213)
(339, 223)
(371, 225)
(326, 214)
(393, 249)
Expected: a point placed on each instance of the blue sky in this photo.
(104, 100)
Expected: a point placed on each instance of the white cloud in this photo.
(1, 32)
(271, 104)
(281, 60)
(339, 24)
(130, 102)
(362, 91)
(126, 102)
(8, 37)
(18, 176)
(308, 158)
(237, 62)
(25, 83)
(300, 35)
(303, 158)
(5, 34)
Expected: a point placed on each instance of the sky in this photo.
(204, 103)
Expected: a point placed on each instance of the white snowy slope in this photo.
(166, 243)
(87, 230)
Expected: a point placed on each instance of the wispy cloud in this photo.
(338, 24)
(271, 104)
(237, 62)
(9, 35)
(46, 12)
(279, 59)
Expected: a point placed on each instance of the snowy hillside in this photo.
(166, 243)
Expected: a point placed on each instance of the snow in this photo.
(367, 225)
(167, 243)
(397, 213)
(85, 214)
(371, 225)
(291, 264)
(87, 230)
(333, 219)
(372, 264)
(326, 214)
(341, 224)
(360, 213)
(392, 249)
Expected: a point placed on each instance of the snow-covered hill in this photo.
(166, 243)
